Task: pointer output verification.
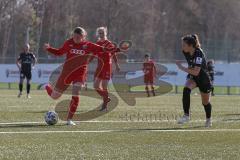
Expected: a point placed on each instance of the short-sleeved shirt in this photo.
(198, 59)
(104, 67)
(149, 68)
(26, 60)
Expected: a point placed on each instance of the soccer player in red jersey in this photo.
(149, 70)
(104, 69)
(78, 52)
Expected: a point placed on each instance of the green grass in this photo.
(147, 130)
(218, 90)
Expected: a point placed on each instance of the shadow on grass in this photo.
(45, 126)
(232, 114)
(231, 119)
(29, 126)
(163, 129)
(36, 112)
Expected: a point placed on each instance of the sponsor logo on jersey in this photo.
(77, 51)
(198, 60)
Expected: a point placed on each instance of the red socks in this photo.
(49, 89)
(103, 93)
(73, 106)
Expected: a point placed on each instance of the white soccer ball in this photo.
(51, 117)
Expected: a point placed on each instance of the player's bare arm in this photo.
(115, 59)
(193, 71)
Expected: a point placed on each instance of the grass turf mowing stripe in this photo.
(124, 130)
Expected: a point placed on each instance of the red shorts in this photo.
(148, 79)
(105, 73)
(64, 82)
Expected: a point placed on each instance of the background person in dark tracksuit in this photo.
(26, 62)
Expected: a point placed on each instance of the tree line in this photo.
(154, 26)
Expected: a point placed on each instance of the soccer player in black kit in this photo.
(25, 63)
(198, 76)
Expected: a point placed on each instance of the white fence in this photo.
(227, 75)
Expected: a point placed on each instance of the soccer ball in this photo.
(51, 117)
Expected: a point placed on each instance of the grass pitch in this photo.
(147, 130)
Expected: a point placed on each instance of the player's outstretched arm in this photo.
(193, 71)
(18, 64)
(34, 61)
(115, 59)
(56, 51)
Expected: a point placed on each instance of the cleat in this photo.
(104, 105)
(70, 123)
(19, 94)
(184, 119)
(208, 123)
(153, 92)
(28, 96)
(103, 109)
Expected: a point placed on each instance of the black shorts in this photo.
(24, 75)
(204, 86)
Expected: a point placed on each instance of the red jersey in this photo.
(76, 68)
(149, 68)
(104, 68)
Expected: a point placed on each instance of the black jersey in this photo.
(26, 60)
(198, 59)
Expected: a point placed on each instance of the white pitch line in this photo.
(62, 122)
(42, 132)
(130, 130)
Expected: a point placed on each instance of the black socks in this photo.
(20, 86)
(186, 103)
(28, 88)
(208, 110)
(186, 100)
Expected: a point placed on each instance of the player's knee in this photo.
(205, 102)
(55, 95)
(28, 82)
(21, 81)
(105, 88)
(76, 91)
(96, 86)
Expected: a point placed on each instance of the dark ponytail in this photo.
(192, 40)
